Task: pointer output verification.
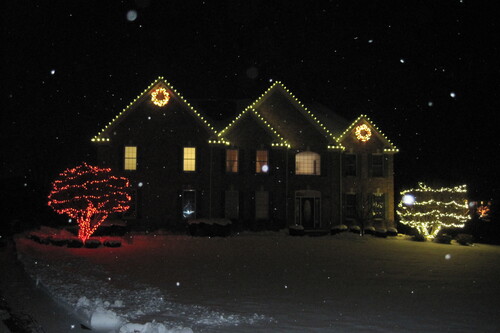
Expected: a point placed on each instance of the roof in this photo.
(288, 120)
(291, 120)
(363, 119)
(251, 112)
(148, 93)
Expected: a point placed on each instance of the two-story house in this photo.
(277, 162)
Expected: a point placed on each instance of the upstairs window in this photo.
(189, 160)
(350, 166)
(232, 160)
(261, 161)
(130, 160)
(307, 163)
(377, 165)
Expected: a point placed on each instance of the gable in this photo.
(362, 134)
(287, 115)
(158, 96)
(249, 126)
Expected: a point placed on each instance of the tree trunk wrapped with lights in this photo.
(430, 209)
(89, 194)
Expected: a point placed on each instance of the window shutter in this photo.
(223, 157)
(242, 161)
(344, 211)
(324, 159)
(359, 165)
(343, 164)
(370, 165)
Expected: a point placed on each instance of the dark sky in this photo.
(426, 72)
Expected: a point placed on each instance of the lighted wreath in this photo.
(160, 97)
(363, 133)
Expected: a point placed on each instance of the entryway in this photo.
(308, 209)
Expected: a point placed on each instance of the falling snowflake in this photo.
(131, 15)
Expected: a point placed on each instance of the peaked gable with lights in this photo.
(298, 125)
(362, 133)
(251, 120)
(156, 97)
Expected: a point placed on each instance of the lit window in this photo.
(307, 163)
(130, 162)
(189, 159)
(261, 161)
(232, 160)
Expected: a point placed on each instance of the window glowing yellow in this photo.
(307, 163)
(189, 159)
(261, 161)
(232, 160)
(130, 162)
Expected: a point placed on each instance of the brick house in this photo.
(276, 163)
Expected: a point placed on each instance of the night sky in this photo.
(426, 72)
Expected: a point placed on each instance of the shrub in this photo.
(464, 239)
(355, 229)
(443, 239)
(92, 243)
(369, 230)
(419, 238)
(58, 241)
(296, 230)
(338, 229)
(75, 243)
(112, 243)
(392, 231)
(380, 232)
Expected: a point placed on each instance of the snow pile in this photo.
(113, 302)
(222, 222)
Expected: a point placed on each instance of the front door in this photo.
(308, 209)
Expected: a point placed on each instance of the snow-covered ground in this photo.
(273, 282)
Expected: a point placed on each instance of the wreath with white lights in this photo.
(160, 97)
(363, 133)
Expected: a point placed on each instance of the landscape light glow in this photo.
(408, 199)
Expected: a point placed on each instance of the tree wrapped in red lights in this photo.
(89, 194)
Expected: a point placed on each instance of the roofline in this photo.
(302, 108)
(160, 79)
(392, 149)
(251, 111)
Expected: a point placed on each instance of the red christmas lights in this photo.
(89, 194)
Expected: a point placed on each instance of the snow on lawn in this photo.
(274, 282)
